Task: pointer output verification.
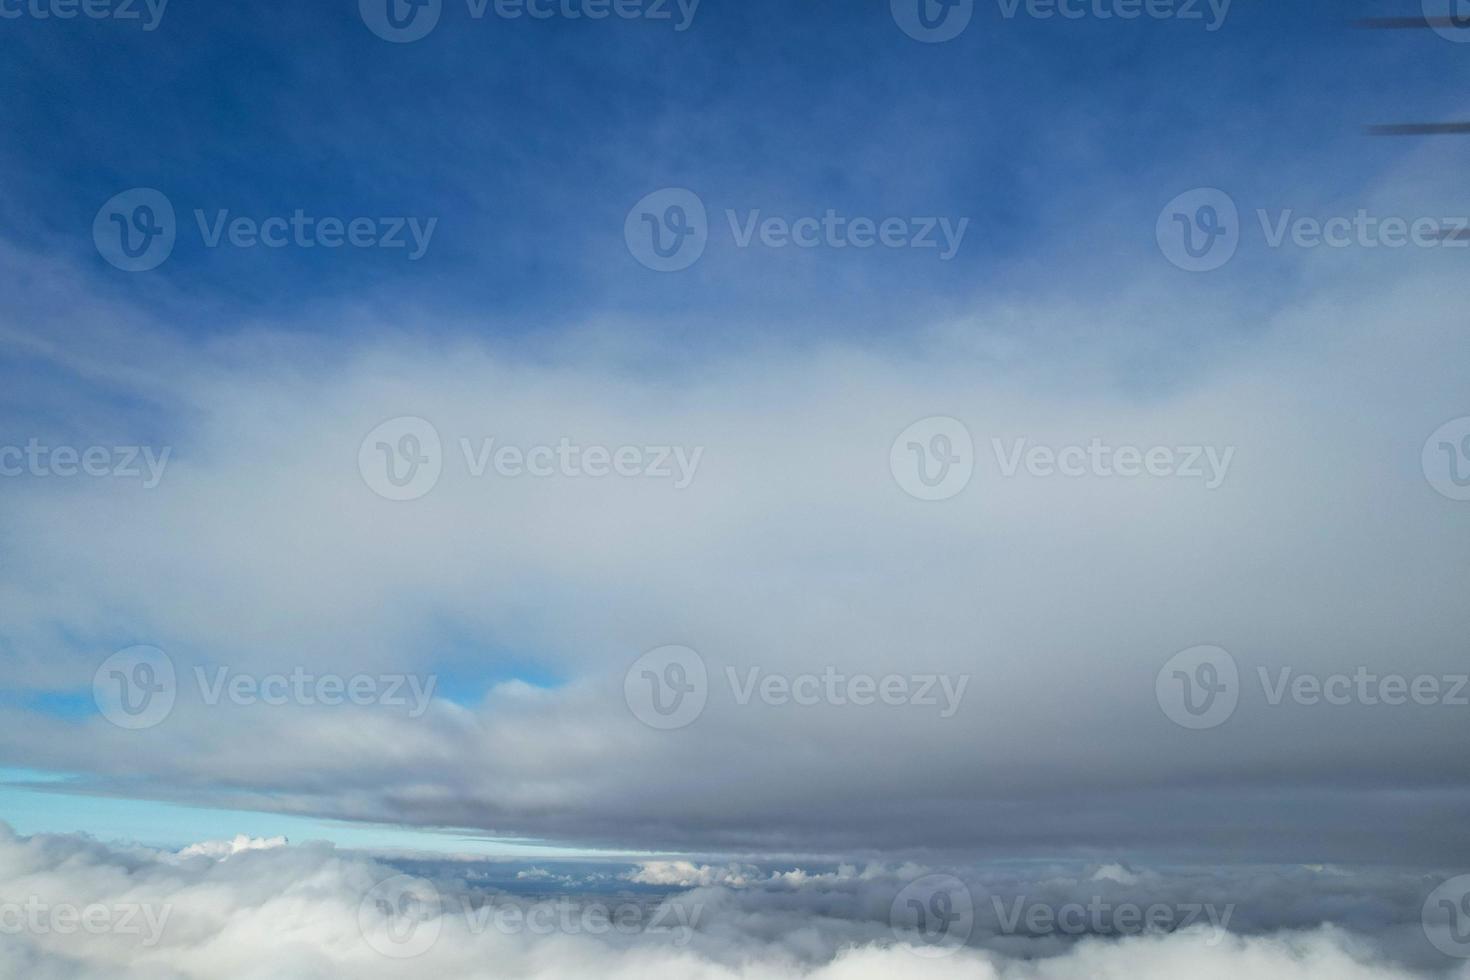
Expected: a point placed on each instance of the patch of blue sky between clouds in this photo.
(38, 801)
(66, 705)
(467, 686)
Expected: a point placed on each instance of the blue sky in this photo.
(30, 808)
(529, 140)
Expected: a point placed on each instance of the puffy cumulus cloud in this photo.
(1115, 872)
(687, 874)
(314, 911)
(222, 849)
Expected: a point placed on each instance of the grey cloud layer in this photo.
(793, 550)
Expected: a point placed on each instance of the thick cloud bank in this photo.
(76, 908)
(1292, 503)
(1037, 610)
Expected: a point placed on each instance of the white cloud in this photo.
(1115, 872)
(311, 912)
(686, 874)
(221, 849)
